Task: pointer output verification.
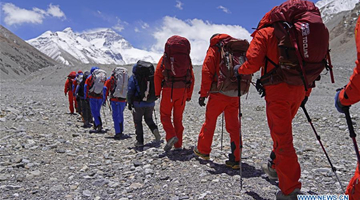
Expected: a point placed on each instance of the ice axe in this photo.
(322, 146)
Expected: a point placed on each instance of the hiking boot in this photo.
(139, 144)
(232, 164)
(170, 143)
(271, 172)
(94, 131)
(157, 135)
(291, 196)
(201, 155)
(87, 125)
(118, 136)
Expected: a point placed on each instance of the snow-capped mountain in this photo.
(329, 8)
(100, 46)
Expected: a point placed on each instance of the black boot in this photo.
(232, 163)
(95, 130)
(118, 136)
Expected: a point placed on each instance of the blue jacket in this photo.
(133, 91)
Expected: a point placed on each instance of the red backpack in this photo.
(176, 63)
(232, 53)
(303, 44)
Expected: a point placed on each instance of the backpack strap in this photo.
(112, 85)
(91, 82)
(172, 88)
(267, 59)
(297, 52)
(137, 86)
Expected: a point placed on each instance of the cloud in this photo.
(144, 25)
(179, 5)
(120, 25)
(141, 25)
(225, 10)
(17, 16)
(197, 31)
(54, 10)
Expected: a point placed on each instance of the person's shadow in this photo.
(103, 131)
(248, 171)
(254, 195)
(153, 144)
(179, 154)
(123, 137)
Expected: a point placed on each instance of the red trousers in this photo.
(353, 189)
(282, 104)
(217, 104)
(176, 105)
(71, 101)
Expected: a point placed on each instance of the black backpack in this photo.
(144, 81)
(82, 83)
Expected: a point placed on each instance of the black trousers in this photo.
(138, 114)
(86, 112)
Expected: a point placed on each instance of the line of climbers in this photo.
(291, 48)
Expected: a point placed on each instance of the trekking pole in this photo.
(109, 105)
(352, 133)
(104, 117)
(155, 117)
(322, 146)
(222, 129)
(240, 115)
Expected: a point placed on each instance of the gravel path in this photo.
(46, 154)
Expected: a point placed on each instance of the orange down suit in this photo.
(282, 103)
(352, 91)
(217, 103)
(172, 100)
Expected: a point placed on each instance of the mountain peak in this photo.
(100, 30)
(100, 46)
(68, 29)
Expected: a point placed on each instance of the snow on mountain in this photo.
(99, 46)
(329, 8)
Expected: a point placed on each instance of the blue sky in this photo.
(142, 22)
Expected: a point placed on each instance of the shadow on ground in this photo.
(255, 196)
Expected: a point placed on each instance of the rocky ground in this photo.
(46, 154)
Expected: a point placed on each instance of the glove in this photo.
(130, 106)
(188, 99)
(338, 105)
(236, 70)
(157, 97)
(304, 101)
(65, 94)
(202, 101)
